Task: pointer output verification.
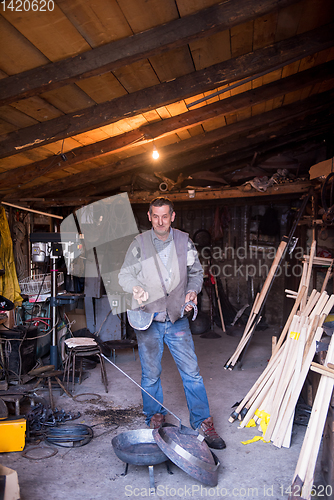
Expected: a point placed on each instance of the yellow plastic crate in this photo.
(12, 434)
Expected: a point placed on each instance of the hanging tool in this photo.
(214, 282)
(239, 314)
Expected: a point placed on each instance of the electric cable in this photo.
(94, 400)
(27, 453)
(70, 435)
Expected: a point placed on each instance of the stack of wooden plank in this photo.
(272, 400)
(302, 484)
(255, 315)
(275, 394)
(292, 355)
(327, 454)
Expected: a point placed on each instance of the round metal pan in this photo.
(138, 447)
(185, 447)
(189, 452)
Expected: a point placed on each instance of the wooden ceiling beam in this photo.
(230, 161)
(150, 98)
(55, 163)
(218, 142)
(231, 153)
(223, 193)
(235, 158)
(201, 194)
(142, 45)
(290, 139)
(299, 127)
(232, 104)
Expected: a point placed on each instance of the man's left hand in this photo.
(191, 296)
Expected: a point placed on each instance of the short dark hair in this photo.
(160, 202)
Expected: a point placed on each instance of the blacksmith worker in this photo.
(163, 273)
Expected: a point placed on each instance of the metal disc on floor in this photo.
(187, 449)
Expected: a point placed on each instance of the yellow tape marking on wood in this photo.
(255, 438)
(295, 335)
(265, 417)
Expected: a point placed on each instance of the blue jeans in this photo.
(179, 340)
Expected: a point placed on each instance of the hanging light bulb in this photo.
(155, 153)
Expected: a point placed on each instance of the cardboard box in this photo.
(9, 484)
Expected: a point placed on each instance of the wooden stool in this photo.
(81, 347)
(48, 372)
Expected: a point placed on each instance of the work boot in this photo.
(157, 420)
(212, 439)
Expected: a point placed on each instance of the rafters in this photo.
(281, 52)
(291, 120)
(143, 45)
(166, 93)
(232, 104)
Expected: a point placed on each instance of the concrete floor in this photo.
(93, 471)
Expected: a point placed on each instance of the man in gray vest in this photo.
(163, 273)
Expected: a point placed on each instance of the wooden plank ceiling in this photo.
(89, 87)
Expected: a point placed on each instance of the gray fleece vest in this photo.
(174, 276)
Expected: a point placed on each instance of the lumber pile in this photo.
(324, 262)
(274, 395)
(272, 400)
(302, 484)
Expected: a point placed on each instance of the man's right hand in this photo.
(139, 294)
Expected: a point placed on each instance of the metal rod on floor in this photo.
(140, 387)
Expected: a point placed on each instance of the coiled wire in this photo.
(70, 435)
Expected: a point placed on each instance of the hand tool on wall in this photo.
(239, 314)
(214, 281)
(209, 284)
